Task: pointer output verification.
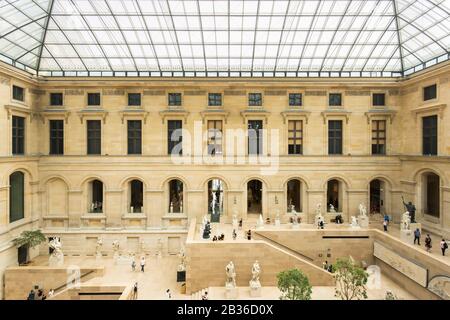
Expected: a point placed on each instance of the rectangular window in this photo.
(214, 99)
(18, 93)
(134, 137)
(174, 99)
(56, 136)
(430, 92)
(214, 137)
(430, 135)
(94, 137)
(379, 99)
(255, 139)
(335, 137)
(18, 135)
(378, 137)
(295, 137)
(175, 137)
(56, 99)
(93, 99)
(295, 99)
(335, 99)
(255, 99)
(134, 99)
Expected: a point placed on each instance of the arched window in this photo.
(16, 196)
(293, 196)
(334, 196)
(96, 196)
(175, 196)
(254, 197)
(136, 196)
(215, 199)
(431, 194)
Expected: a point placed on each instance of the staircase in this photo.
(198, 294)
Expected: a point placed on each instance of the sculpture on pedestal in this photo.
(98, 248)
(207, 230)
(260, 223)
(231, 275)
(319, 218)
(362, 210)
(406, 221)
(332, 209)
(256, 270)
(56, 258)
(411, 208)
(116, 247)
(182, 255)
(354, 222)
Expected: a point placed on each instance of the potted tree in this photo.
(350, 280)
(27, 240)
(294, 285)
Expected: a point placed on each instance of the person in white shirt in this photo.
(142, 263)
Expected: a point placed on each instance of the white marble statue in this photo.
(354, 222)
(318, 216)
(56, 259)
(332, 209)
(182, 255)
(98, 248)
(116, 247)
(362, 210)
(256, 271)
(260, 223)
(231, 275)
(406, 221)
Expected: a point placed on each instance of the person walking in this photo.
(31, 295)
(205, 296)
(428, 243)
(142, 263)
(417, 236)
(135, 291)
(385, 225)
(168, 294)
(133, 265)
(444, 246)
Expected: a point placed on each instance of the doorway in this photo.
(215, 199)
(254, 197)
(377, 198)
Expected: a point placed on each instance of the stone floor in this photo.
(160, 275)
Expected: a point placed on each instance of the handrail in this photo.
(81, 277)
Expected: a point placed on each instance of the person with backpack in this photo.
(444, 246)
(428, 243)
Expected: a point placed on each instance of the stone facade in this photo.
(56, 187)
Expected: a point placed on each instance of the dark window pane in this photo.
(295, 136)
(56, 99)
(93, 99)
(94, 137)
(134, 137)
(97, 197)
(430, 92)
(18, 135)
(378, 137)
(430, 135)
(379, 99)
(214, 137)
(335, 137)
(56, 136)
(16, 196)
(295, 99)
(214, 99)
(174, 137)
(134, 99)
(255, 99)
(335, 99)
(18, 93)
(255, 139)
(174, 99)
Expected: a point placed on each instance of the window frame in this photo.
(13, 87)
(134, 93)
(373, 99)
(134, 143)
(259, 138)
(94, 105)
(214, 145)
(424, 88)
(434, 144)
(330, 94)
(335, 139)
(295, 105)
(177, 94)
(171, 144)
(253, 102)
(217, 94)
(56, 138)
(88, 139)
(50, 99)
(295, 138)
(375, 136)
(16, 139)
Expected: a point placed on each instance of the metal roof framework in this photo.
(224, 38)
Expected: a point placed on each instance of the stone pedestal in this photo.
(56, 260)
(407, 236)
(255, 292)
(295, 226)
(231, 293)
(277, 222)
(363, 221)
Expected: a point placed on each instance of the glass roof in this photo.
(224, 37)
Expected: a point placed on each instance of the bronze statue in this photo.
(411, 208)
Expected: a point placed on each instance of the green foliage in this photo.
(294, 285)
(350, 280)
(30, 239)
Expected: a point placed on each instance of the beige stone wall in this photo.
(66, 177)
(20, 280)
